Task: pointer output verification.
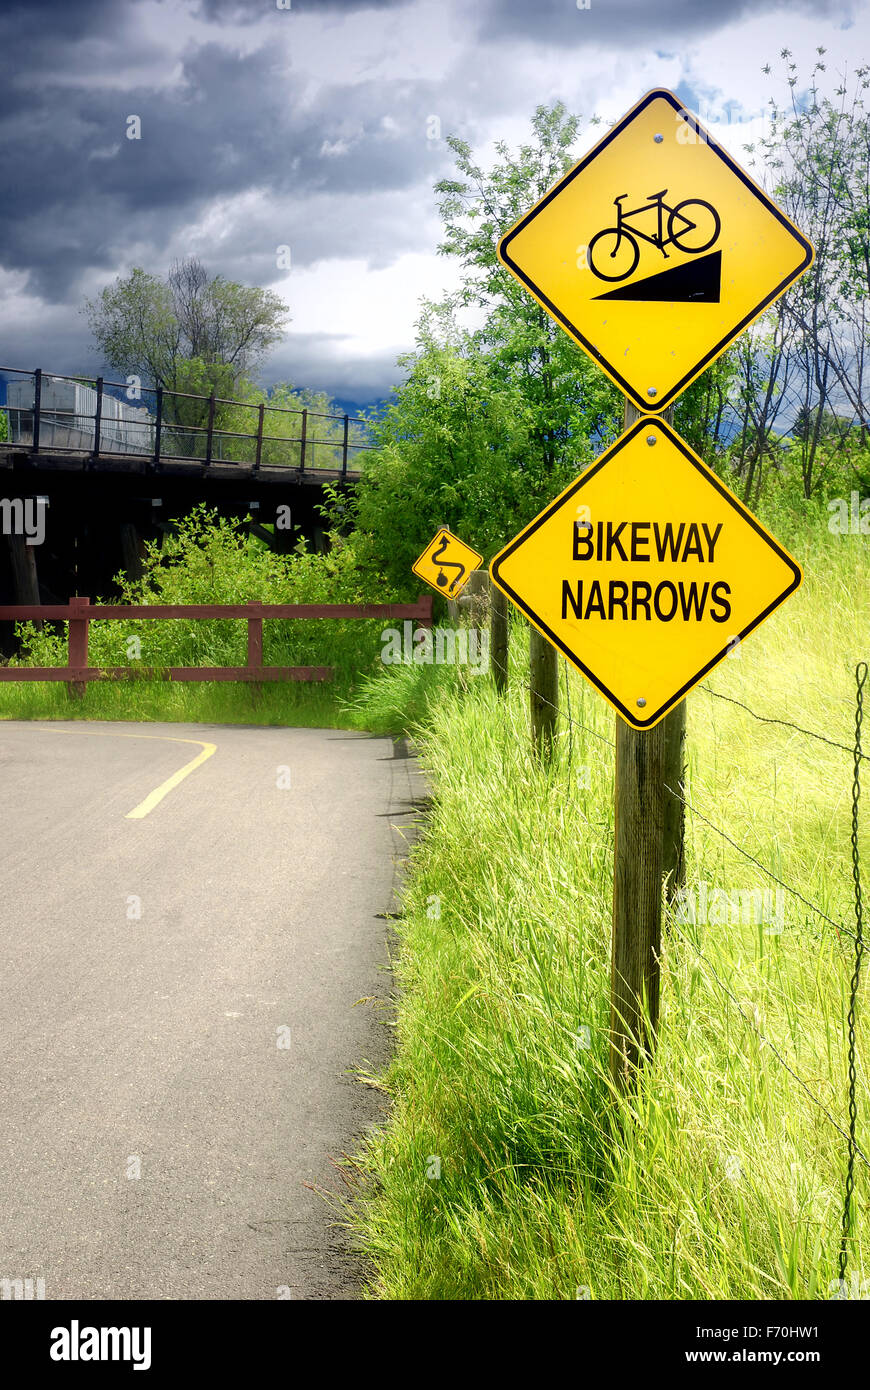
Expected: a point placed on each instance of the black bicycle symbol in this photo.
(441, 581)
(610, 241)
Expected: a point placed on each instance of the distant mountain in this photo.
(343, 406)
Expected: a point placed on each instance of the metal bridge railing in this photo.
(182, 426)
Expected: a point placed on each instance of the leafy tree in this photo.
(702, 413)
(817, 154)
(454, 450)
(807, 423)
(154, 328)
(185, 415)
(568, 397)
(282, 428)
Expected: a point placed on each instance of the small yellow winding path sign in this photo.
(446, 563)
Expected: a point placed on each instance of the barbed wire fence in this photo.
(848, 1132)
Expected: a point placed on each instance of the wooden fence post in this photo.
(543, 693)
(637, 893)
(498, 637)
(470, 610)
(255, 645)
(474, 600)
(77, 644)
(648, 844)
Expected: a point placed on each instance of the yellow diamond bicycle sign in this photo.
(646, 572)
(446, 563)
(655, 251)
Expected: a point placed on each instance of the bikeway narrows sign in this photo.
(446, 563)
(655, 251)
(646, 572)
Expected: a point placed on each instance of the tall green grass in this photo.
(208, 702)
(721, 1178)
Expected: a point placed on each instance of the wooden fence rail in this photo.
(79, 614)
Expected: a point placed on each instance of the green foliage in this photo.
(701, 412)
(812, 420)
(154, 328)
(819, 152)
(455, 450)
(405, 700)
(841, 464)
(208, 561)
(185, 415)
(816, 151)
(135, 328)
(567, 396)
(282, 428)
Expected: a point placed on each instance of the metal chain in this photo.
(860, 677)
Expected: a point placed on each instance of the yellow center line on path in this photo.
(153, 798)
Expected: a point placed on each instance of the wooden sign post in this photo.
(637, 891)
(498, 638)
(649, 827)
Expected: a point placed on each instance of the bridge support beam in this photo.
(132, 550)
(25, 581)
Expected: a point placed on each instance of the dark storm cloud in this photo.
(222, 10)
(60, 18)
(289, 136)
(53, 338)
(84, 192)
(665, 23)
(41, 37)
